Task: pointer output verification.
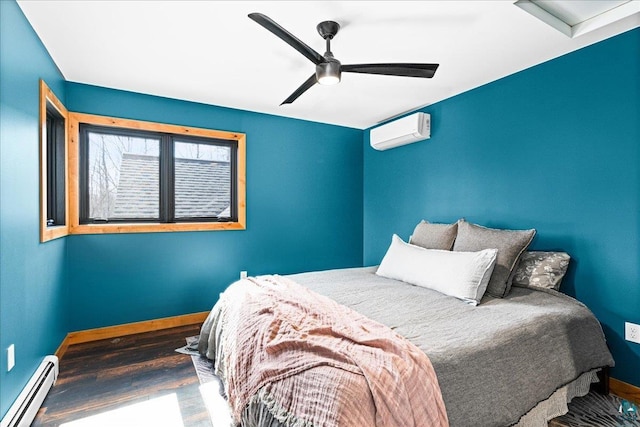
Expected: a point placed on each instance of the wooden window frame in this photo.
(74, 121)
(49, 100)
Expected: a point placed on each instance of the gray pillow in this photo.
(509, 243)
(434, 236)
(541, 269)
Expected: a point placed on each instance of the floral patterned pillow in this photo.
(541, 269)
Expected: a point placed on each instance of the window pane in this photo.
(123, 177)
(202, 180)
(55, 140)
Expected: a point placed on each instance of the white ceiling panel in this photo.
(211, 52)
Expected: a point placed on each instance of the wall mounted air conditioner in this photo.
(412, 128)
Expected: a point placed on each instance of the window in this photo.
(53, 166)
(56, 184)
(119, 175)
(203, 177)
(136, 176)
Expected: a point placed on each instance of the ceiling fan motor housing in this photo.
(328, 72)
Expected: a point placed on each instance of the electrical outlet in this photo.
(11, 357)
(632, 332)
(243, 274)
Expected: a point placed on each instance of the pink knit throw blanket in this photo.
(312, 361)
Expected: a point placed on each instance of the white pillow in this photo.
(463, 275)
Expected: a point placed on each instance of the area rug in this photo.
(204, 367)
(598, 410)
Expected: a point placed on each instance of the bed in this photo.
(515, 360)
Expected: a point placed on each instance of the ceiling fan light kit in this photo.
(328, 73)
(328, 69)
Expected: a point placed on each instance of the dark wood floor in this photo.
(112, 374)
(139, 377)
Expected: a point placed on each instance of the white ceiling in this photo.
(211, 52)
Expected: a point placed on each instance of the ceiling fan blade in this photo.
(302, 89)
(289, 38)
(405, 70)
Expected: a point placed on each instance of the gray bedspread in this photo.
(495, 361)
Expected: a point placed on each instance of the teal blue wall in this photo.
(304, 212)
(32, 275)
(555, 147)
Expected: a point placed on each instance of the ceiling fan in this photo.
(328, 68)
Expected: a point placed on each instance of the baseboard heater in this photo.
(24, 409)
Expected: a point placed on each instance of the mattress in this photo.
(495, 362)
